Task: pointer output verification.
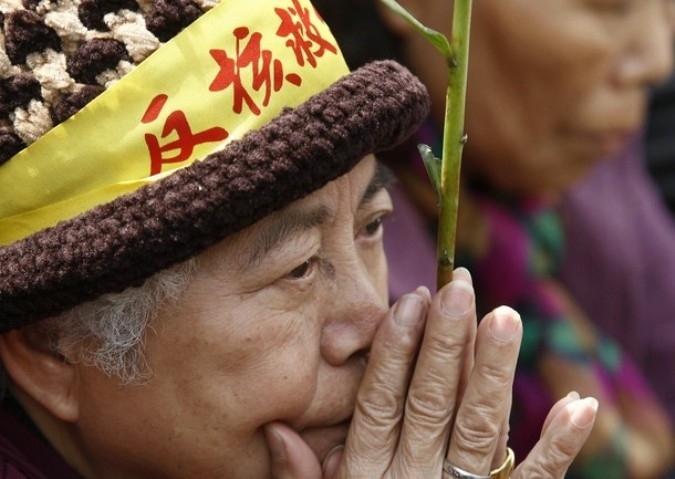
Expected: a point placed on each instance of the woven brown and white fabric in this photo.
(56, 56)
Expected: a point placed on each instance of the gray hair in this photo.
(109, 333)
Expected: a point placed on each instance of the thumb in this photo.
(291, 456)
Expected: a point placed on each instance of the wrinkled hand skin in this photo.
(438, 387)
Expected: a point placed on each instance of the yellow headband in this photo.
(230, 72)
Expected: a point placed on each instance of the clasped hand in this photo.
(437, 390)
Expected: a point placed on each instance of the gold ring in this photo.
(504, 471)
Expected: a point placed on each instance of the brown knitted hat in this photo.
(59, 57)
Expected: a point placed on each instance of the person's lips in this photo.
(323, 439)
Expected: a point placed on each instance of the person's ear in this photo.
(393, 21)
(43, 375)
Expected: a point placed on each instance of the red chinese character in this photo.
(267, 72)
(184, 145)
(306, 40)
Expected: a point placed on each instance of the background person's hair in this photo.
(109, 332)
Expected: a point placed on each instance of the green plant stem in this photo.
(454, 139)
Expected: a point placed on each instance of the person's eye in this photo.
(615, 7)
(303, 271)
(373, 228)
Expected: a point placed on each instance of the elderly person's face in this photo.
(554, 85)
(275, 326)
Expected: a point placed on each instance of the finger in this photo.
(470, 350)
(374, 431)
(502, 443)
(560, 442)
(434, 387)
(332, 462)
(480, 424)
(557, 407)
(291, 457)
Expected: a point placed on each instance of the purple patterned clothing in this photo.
(619, 234)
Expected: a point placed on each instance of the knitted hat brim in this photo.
(122, 243)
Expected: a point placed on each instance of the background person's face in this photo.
(554, 84)
(282, 337)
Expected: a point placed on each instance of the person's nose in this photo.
(648, 58)
(357, 307)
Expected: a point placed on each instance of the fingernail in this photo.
(277, 445)
(584, 412)
(457, 299)
(408, 311)
(424, 292)
(462, 274)
(504, 325)
(332, 461)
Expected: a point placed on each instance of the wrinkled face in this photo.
(554, 85)
(275, 326)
